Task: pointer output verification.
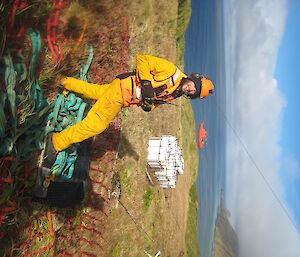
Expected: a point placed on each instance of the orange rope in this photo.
(8, 180)
(50, 226)
(7, 158)
(11, 207)
(81, 36)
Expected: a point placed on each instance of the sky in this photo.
(263, 177)
(286, 73)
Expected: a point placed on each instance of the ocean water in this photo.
(204, 52)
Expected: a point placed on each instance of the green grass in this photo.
(122, 247)
(191, 242)
(146, 9)
(183, 18)
(148, 197)
(116, 250)
(190, 155)
(126, 182)
(124, 112)
(189, 146)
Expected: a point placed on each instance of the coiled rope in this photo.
(21, 139)
(67, 112)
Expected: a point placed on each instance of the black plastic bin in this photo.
(66, 193)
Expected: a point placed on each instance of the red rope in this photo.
(52, 25)
(89, 254)
(13, 14)
(94, 219)
(90, 242)
(44, 249)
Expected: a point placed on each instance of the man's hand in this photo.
(147, 90)
(147, 105)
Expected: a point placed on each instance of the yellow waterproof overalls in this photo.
(110, 98)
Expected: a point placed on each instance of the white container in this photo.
(153, 157)
(180, 171)
(165, 160)
(153, 150)
(154, 143)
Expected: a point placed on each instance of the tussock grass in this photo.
(116, 251)
(33, 15)
(183, 18)
(147, 6)
(188, 135)
(192, 249)
(190, 155)
(153, 31)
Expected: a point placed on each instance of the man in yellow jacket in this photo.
(155, 82)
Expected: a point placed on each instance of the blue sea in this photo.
(204, 52)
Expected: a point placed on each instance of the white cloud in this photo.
(292, 167)
(254, 30)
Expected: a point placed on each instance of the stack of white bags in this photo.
(165, 159)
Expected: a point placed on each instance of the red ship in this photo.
(201, 136)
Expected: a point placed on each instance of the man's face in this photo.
(188, 87)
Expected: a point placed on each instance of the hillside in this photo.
(225, 242)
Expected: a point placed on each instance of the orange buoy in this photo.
(201, 136)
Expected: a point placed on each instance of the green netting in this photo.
(68, 112)
(22, 140)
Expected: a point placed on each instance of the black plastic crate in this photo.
(62, 192)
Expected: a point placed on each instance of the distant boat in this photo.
(201, 136)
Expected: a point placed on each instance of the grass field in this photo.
(191, 231)
(160, 219)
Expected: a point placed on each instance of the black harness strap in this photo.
(132, 87)
(126, 75)
(173, 81)
(159, 90)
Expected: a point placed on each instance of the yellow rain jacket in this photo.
(164, 76)
(110, 98)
